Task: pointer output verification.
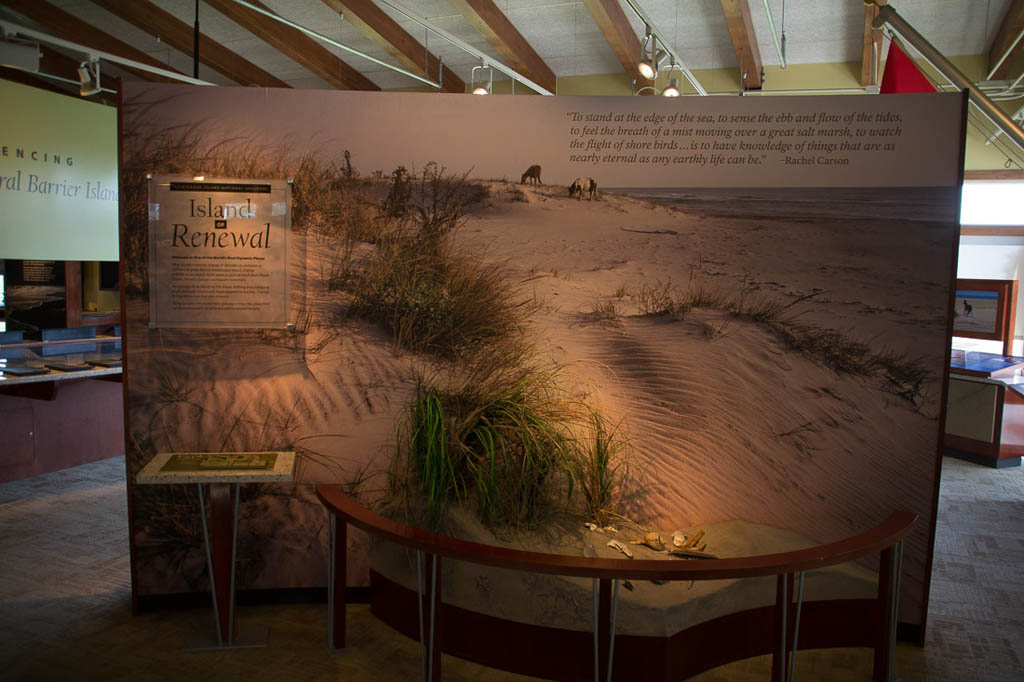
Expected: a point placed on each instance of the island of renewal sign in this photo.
(218, 252)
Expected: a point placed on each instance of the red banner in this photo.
(902, 74)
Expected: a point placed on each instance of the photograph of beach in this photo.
(768, 355)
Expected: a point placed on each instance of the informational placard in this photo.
(40, 272)
(218, 252)
(205, 461)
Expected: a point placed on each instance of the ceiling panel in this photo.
(565, 36)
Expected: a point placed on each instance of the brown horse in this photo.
(532, 173)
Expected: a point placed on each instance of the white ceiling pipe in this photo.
(810, 91)
(775, 37)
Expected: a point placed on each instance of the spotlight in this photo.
(484, 87)
(651, 58)
(645, 66)
(648, 67)
(672, 90)
(89, 75)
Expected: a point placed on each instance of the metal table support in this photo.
(220, 537)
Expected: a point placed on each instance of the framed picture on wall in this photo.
(985, 309)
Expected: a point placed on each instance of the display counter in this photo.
(985, 409)
(59, 409)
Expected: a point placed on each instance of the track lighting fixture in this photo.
(671, 90)
(646, 64)
(89, 77)
(649, 65)
(483, 87)
(651, 58)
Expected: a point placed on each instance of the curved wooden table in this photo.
(859, 622)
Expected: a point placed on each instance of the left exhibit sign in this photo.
(218, 252)
(58, 176)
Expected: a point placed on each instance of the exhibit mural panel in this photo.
(717, 314)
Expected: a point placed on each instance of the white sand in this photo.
(732, 427)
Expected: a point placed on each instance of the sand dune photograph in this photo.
(537, 357)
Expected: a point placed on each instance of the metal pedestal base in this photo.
(206, 640)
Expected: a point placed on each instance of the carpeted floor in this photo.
(65, 612)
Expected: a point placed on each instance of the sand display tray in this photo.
(648, 609)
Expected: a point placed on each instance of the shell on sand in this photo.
(679, 538)
(652, 540)
(615, 544)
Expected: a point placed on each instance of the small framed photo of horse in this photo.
(985, 309)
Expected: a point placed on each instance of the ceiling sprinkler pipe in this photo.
(775, 36)
(887, 15)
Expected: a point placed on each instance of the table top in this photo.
(56, 375)
(974, 363)
(282, 471)
(31, 359)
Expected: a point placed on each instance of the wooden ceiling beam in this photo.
(744, 42)
(376, 25)
(1013, 23)
(294, 44)
(871, 54)
(504, 37)
(167, 28)
(615, 27)
(72, 28)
